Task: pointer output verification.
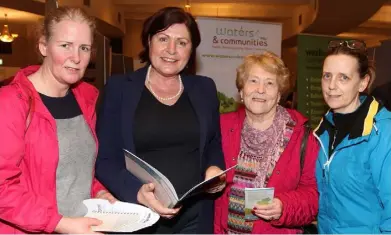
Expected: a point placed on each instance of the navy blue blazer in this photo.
(115, 132)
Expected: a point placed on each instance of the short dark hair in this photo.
(161, 21)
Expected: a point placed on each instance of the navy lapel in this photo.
(133, 89)
(199, 103)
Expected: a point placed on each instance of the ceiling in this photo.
(19, 17)
(271, 10)
(376, 29)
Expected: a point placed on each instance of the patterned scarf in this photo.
(260, 151)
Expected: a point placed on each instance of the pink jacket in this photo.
(28, 161)
(298, 195)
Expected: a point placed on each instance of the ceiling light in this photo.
(5, 35)
(187, 5)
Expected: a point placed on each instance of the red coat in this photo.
(28, 163)
(298, 195)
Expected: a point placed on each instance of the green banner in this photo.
(311, 51)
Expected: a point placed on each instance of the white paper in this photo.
(120, 216)
(205, 182)
(253, 196)
(164, 190)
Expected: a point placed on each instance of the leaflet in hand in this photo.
(120, 216)
(253, 196)
(164, 190)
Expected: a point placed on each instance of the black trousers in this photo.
(185, 222)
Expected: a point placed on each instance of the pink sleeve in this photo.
(97, 187)
(19, 206)
(300, 206)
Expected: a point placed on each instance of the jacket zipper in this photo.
(328, 160)
(335, 136)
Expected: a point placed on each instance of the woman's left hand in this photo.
(218, 186)
(104, 194)
(272, 211)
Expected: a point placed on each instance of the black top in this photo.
(344, 123)
(62, 107)
(115, 127)
(168, 138)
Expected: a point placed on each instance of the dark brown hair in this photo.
(161, 21)
(365, 67)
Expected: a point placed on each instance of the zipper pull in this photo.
(335, 136)
(326, 164)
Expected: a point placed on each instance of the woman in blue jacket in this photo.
(354, 164)
(169, 119)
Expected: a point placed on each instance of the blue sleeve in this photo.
(110, 164)
(381, 173)
(213, 152)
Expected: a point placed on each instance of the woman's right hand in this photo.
(78, 225)
(146, 196)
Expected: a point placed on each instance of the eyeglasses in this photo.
(351, 44)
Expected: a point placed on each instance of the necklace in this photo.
(161, 98)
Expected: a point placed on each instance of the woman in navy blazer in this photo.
(167, 118)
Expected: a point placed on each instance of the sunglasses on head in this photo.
(351, 44)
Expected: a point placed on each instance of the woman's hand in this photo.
(79, 225)
(104, 194)
(272, 211)
(220, 184)
(146, 196)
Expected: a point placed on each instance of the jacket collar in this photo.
(26, 87)
(295, 124)
(81, 88)
(363, 124)
(298, 119)
(85, 94)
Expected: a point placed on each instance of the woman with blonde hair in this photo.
(267, 142)
(48, 140)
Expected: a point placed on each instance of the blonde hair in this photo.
(65, 13)
(269, 62)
